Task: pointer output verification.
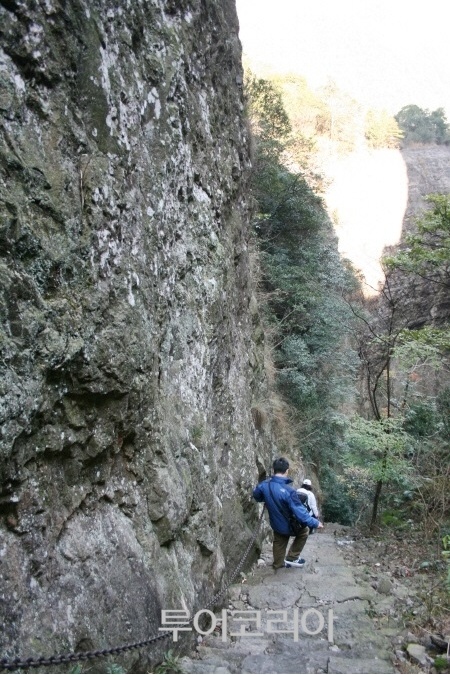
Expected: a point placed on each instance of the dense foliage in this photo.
(426, 251)
(423, 126)
(381, 130)
(303, 281)
(370, 398)
(330, 120)
(407, 382)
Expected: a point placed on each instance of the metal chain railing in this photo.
(222, 592)
(74, 657)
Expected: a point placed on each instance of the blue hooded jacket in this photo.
(287, 500)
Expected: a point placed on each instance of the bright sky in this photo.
(385, 53)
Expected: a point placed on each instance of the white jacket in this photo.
(311, 501)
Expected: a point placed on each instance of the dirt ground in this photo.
(414, 560)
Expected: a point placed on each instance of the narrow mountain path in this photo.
(343, 623)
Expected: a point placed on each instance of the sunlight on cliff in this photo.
(367, 201)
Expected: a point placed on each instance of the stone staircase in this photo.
(317, 619)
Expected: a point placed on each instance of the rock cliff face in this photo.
(428, 171)
(131, 349)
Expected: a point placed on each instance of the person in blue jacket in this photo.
(281, 499)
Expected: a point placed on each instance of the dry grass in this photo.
(414, 558)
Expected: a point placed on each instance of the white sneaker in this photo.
(299, 562)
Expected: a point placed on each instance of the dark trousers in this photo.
(280, 544)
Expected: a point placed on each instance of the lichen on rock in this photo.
(130, 345)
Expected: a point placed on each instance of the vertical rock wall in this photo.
(131, 350)
(428, 171)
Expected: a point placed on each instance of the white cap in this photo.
(306, 481)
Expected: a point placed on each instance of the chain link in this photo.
(74, 657)
(222, 592)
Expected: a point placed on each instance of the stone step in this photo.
(323, 593)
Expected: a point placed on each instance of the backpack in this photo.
(295, 525)
(304, 500)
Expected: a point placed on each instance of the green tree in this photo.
(404, 441)
(377, 337)
(380, 445)
(422, 356)
(270, 123)
(308, 112)
(426, 252)
(309, 116)
(303, 276)
(422, 126)
(441, 128)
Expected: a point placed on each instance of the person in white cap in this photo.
(306, 489)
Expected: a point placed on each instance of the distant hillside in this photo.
(428, 171)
